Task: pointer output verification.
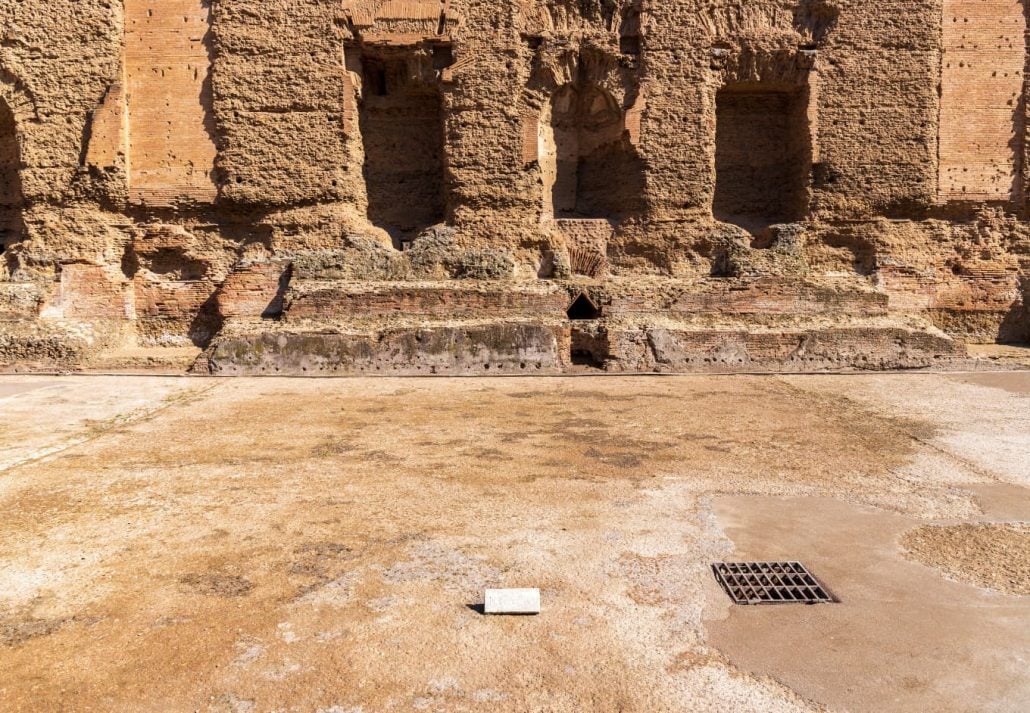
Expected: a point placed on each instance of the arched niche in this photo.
(588, 167)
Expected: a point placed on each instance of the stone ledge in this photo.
(511, 348)
(661, 349)
(455, 350)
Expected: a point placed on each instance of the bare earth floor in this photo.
(255, 545)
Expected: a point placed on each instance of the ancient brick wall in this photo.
(641, 147)
(279, 103)
(878, 139)
(57, 61)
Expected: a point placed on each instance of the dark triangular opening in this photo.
(584, 308)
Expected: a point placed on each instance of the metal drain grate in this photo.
(770, 583)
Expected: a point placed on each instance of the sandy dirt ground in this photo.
(253, 545)
(995, 556)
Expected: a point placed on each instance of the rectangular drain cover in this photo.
(770, 583)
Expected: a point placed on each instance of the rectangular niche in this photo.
(11, 227)
(168, 76)
(763, 155)
(982, 99)
(402, 130)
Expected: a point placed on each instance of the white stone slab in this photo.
(512, 601)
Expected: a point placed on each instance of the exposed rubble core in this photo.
(320, 184)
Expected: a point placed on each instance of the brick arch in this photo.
(581, 137)
(575, 156)
(555, 70)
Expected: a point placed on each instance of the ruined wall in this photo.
(168, 167)
(279, 85)
(877, 139)
(57, 61)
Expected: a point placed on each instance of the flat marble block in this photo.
(512, 601)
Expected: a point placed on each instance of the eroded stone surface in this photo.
(182, 173)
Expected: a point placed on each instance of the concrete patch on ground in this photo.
(902, 638)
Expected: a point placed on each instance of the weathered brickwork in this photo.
(982, 102)
(168, 48)
(456, 186)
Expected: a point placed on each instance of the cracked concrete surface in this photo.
(315, 545)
